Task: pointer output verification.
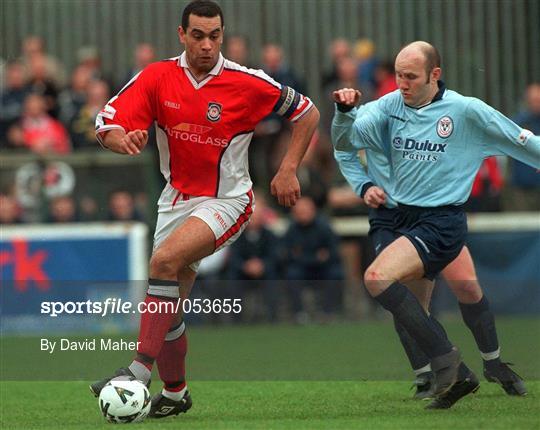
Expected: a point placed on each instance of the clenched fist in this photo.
(347, 96)
(131, 143)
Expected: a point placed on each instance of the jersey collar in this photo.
(437, 97)
(216, 70)
(440, 93)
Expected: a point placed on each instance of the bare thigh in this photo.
(188, 243)
(399, 261)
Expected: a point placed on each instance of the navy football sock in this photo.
(481, 322)
(408, 312)
(463, 371)
(416, 356)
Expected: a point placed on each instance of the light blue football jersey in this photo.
(435, 151)
(377, 158)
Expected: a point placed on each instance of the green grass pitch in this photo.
(277, 377)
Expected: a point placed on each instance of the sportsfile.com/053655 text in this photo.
(112, 306)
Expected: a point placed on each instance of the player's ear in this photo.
(436, 73)
(181, 34)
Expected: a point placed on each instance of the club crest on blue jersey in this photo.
(214, 112)
(397, 143)
(445, 127)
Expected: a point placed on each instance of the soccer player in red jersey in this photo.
(205, 109)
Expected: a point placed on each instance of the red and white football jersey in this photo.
(203, 128)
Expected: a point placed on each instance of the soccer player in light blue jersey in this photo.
(435, 140)
(460, 274)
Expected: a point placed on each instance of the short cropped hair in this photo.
(433, 58)
(204, 8)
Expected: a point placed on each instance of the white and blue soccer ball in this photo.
(124, 400)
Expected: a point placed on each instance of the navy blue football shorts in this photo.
(438, 234)
(381, 227)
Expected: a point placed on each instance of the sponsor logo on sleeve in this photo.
(445, 127)
(523, 137)
(108, 112)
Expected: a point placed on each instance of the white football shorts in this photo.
(227, 218)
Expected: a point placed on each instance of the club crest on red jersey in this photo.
(214, 112)
(445, 127)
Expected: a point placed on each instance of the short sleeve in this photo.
(133, 107)
(264, 96)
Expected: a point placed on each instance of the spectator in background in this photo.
(237, 50)
(364, 52)
(10, 211)
(71, 99)
(339, 49)
(12, 98)
(88, 209)
(311, 254)
(143, 55)
(346, 72)
(88, 56)
(34, 47)
(311, 174)
(523, 190)
(274, 64)
(486, 189)
(385, 79)
(82, 128)
(346, 77)
(40, 83)
(122, 207)
(356, 251)
(38, 131)
(62, 209)
(270, 135)
(254, 258)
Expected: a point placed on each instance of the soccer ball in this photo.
(124, 400)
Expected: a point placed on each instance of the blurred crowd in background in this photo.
(48, 110)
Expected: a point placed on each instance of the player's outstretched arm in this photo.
(342, 134)
(285, 185)
(131, 143)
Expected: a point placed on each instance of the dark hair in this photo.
(433, 58)
(204, 8)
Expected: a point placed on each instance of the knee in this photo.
(466, 291)
(163, 265)
(374, 274)
(373, 279)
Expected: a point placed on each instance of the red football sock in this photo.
(154, 326)
(171, 360)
